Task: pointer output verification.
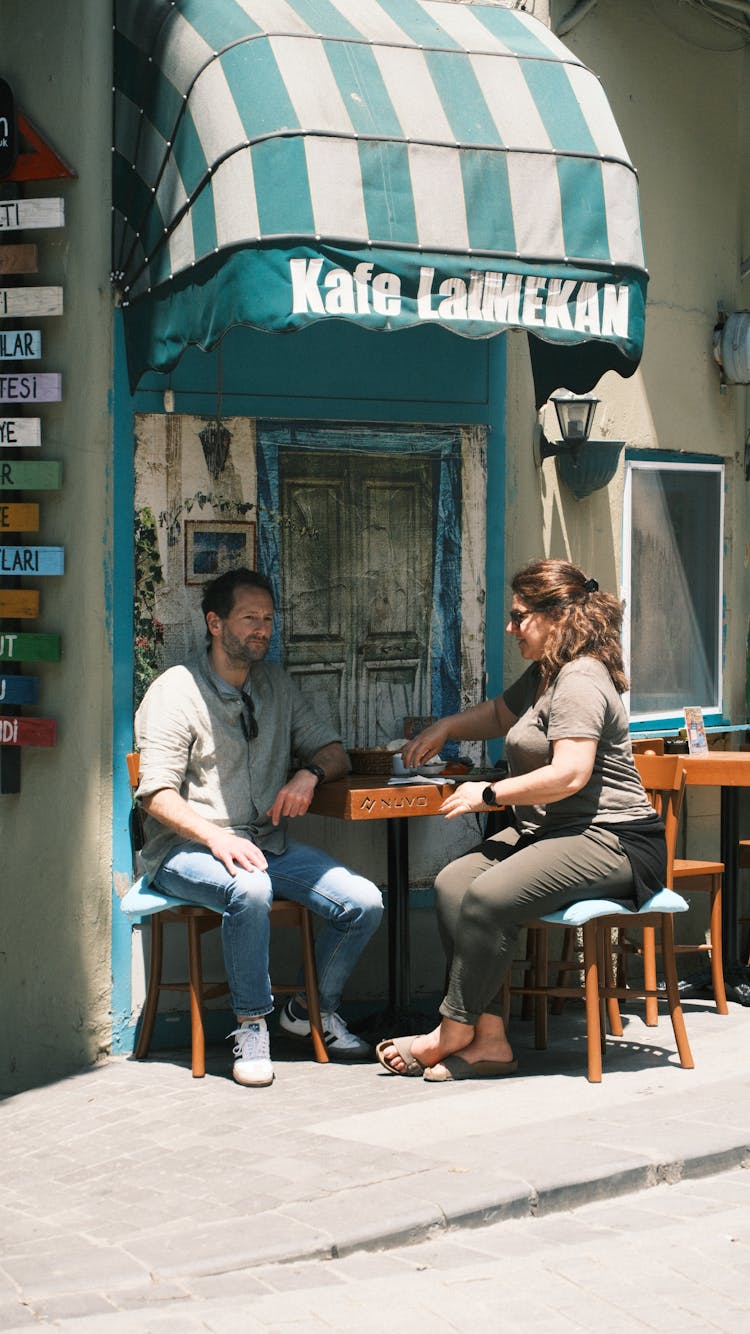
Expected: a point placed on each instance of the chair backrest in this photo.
(137, 837)
(664, 778)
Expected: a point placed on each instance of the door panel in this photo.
(358, 594)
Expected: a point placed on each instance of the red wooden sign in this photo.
(36, 161)
(28, 732)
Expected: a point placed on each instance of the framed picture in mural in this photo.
(215, 545)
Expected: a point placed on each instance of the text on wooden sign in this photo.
(28, 732)
(19, 689)
(19, 518)
(36, 476)
(23, 431)
(20, 344)
(16, 647)
(31, 388)
(31, 300)
(18, 214)
(32, 560)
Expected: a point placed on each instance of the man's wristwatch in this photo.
(315, 769)
(488, 796)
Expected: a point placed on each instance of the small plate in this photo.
(432, 770)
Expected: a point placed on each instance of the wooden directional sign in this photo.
(19, 518)
(25, 432)
(37, 161)
(28, 732)
(31, 387)
(19, 259)
(34, 476)
(16, 647)
(25, 301)
(20, 344)
(24, 214)
(19, 689)
(23, 603)
(32, 560)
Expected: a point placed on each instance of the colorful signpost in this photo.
(23, 388)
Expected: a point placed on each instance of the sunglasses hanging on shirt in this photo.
(247, 717)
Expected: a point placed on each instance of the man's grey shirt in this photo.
(190, 736)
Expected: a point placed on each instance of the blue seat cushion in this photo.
(142, 900)
(665, 900)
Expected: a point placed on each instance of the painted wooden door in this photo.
(357, 565)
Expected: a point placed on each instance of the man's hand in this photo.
(235, 851)
(294, 797)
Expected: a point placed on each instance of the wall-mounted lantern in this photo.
(583, 464)
(732, 347)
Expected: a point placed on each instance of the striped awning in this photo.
(386, 162)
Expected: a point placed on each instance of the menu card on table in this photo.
(696, 731)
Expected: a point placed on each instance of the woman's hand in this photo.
(466, 798)
(428, 744)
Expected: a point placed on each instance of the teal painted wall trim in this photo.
(495, 581)
(122, 738)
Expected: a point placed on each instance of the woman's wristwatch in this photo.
(488, 796)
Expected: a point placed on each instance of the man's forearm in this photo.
(333, 760)
(170, 809)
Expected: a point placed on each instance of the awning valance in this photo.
(387, 162)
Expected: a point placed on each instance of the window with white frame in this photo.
(672, 585)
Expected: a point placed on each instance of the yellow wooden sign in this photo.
(19, 518)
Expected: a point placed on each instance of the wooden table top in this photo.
(718, 768)
(360, 797)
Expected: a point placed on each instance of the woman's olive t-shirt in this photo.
(581, 702)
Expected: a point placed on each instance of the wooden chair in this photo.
(689, 876)
(745, 865)
(597, 919)
(143, 901)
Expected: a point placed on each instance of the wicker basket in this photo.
(371, 761)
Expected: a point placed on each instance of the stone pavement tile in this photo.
(372, 1215)
(315, 1274)
(71, 1264)
(14, 1315)
(70, 1306)
(213, 1249)
(235, 1284)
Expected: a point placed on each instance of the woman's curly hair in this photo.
(585, 622)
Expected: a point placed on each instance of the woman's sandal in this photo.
(455, 1067)
(403, 1047)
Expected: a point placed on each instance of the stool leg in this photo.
(148, 1014)
(311, 989)
(717, 958)
(649, 975)
(540, 974)
(198, 1036)
(614, 1017)
(593, 1020)
(673, 993)
(567, 955)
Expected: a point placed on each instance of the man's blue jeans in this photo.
(351, 908)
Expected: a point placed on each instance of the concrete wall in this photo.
(56, 833)
(678, 86)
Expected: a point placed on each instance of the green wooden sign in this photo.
(29, 648)
(33, 476)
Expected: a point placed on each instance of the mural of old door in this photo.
(368, 562)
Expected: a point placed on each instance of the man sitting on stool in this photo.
(216, 738)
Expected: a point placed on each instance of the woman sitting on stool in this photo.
(583, 826)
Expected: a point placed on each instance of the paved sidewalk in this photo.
(132, 1185)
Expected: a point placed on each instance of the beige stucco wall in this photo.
(678, 87)
(56, 833)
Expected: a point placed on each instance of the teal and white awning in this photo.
(387, 162)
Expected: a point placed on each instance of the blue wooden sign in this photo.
(19, 689)
(32, 560)
(20, 344)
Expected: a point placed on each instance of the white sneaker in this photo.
(252, 1065)
(339, 1041)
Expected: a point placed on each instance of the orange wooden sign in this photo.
(36, 160)
(22, 603)
(19, 518)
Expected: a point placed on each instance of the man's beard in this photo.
(244, 654)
